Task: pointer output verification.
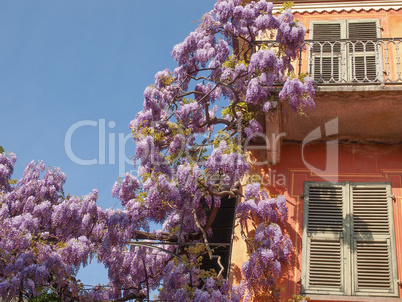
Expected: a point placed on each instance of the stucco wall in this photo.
(365, 116)
(357, 163)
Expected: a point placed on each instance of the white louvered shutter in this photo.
(323, 250)
(373, 240)
(363, 52)
(326, 56)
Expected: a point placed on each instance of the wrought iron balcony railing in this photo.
(349, 62)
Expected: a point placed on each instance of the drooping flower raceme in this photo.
(44, 235)
(270, 247)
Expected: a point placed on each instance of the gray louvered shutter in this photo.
(323, 247)
(326, 69)
(374, 255)
(326, 51)
(363, 50)
(362, 33)
(323, 32)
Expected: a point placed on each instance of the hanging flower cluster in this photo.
(270, 247)
(44, 235)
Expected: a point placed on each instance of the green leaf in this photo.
(53, 297)
(286, 5)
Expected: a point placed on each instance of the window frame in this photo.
(346, 63)
(332, 54)
(348, 240)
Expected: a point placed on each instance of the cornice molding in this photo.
(338, 6)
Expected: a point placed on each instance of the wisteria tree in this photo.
(190, 152)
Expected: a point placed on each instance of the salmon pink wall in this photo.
(357, 163)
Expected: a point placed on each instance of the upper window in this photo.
(348, 240)
(345, 50)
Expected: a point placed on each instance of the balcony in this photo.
(357, 82)
(346, 62)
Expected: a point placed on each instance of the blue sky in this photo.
(83, 64)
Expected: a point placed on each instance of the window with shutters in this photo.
(348, 240)
(345, 51)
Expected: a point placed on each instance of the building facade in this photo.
(340, 166)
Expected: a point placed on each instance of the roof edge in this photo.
(342, 6)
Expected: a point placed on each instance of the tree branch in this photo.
(204, 235)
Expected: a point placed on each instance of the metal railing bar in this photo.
(349, 61)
